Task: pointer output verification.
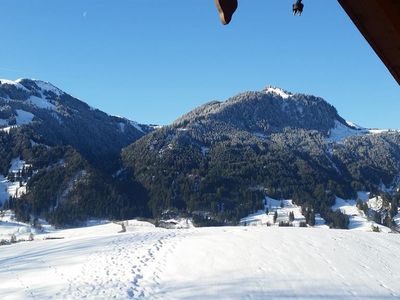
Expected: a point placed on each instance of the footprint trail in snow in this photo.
(129, 266)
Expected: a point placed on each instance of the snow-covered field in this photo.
(283, 208)
(146, 262)
(253, 262)
(9, 226)
(357, 219)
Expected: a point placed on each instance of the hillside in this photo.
(56, 118)
(61, 159)
(222, 263)
(223, 157)
(58, 156)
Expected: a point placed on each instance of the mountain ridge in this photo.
(68, 151)
(295, 146)
(61, 119)
(267, 111)
(219, 159)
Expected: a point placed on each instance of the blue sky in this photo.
(153, 60)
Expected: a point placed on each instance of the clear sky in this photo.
(153, 60)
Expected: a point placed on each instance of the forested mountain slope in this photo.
(222, 157)
(67, 152)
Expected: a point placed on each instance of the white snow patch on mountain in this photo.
(14, 83)
(7, 129)
(340, 132)
(41, 103)
(36, 144)
(17, 165)
(33, 143)
(260, 135)
(13, 188)
(133, 123)
(202, 263)
(354, 125)
(277, 91)
(137, 126)
(44, 86)
(9, 188)
(4, 195)
(24, 117)
(377, 131)
(121, 126)
(205, 150)
(358, 221)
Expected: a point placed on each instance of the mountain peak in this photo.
(36, 84)
(15, 83)
(267, 111)
(31, 87)
(277, 91)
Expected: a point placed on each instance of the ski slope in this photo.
(146, 262)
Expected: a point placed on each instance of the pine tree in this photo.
(291, 216)
(378, 217)
(312, 218)
(394, 207)
(303, 224)
(375, 228)
(275, 216)
(13, 239)
(306, 214)
(387, 221)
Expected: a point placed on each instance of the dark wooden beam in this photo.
(379, 22)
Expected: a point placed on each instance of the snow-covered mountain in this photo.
(271, 111)
(221, 156)
(218, 160)
(265, 112)
(264, 160)
(60, 119)
(71, 150)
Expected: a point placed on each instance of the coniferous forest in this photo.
(214, 164)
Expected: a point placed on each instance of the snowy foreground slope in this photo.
(202, 263)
